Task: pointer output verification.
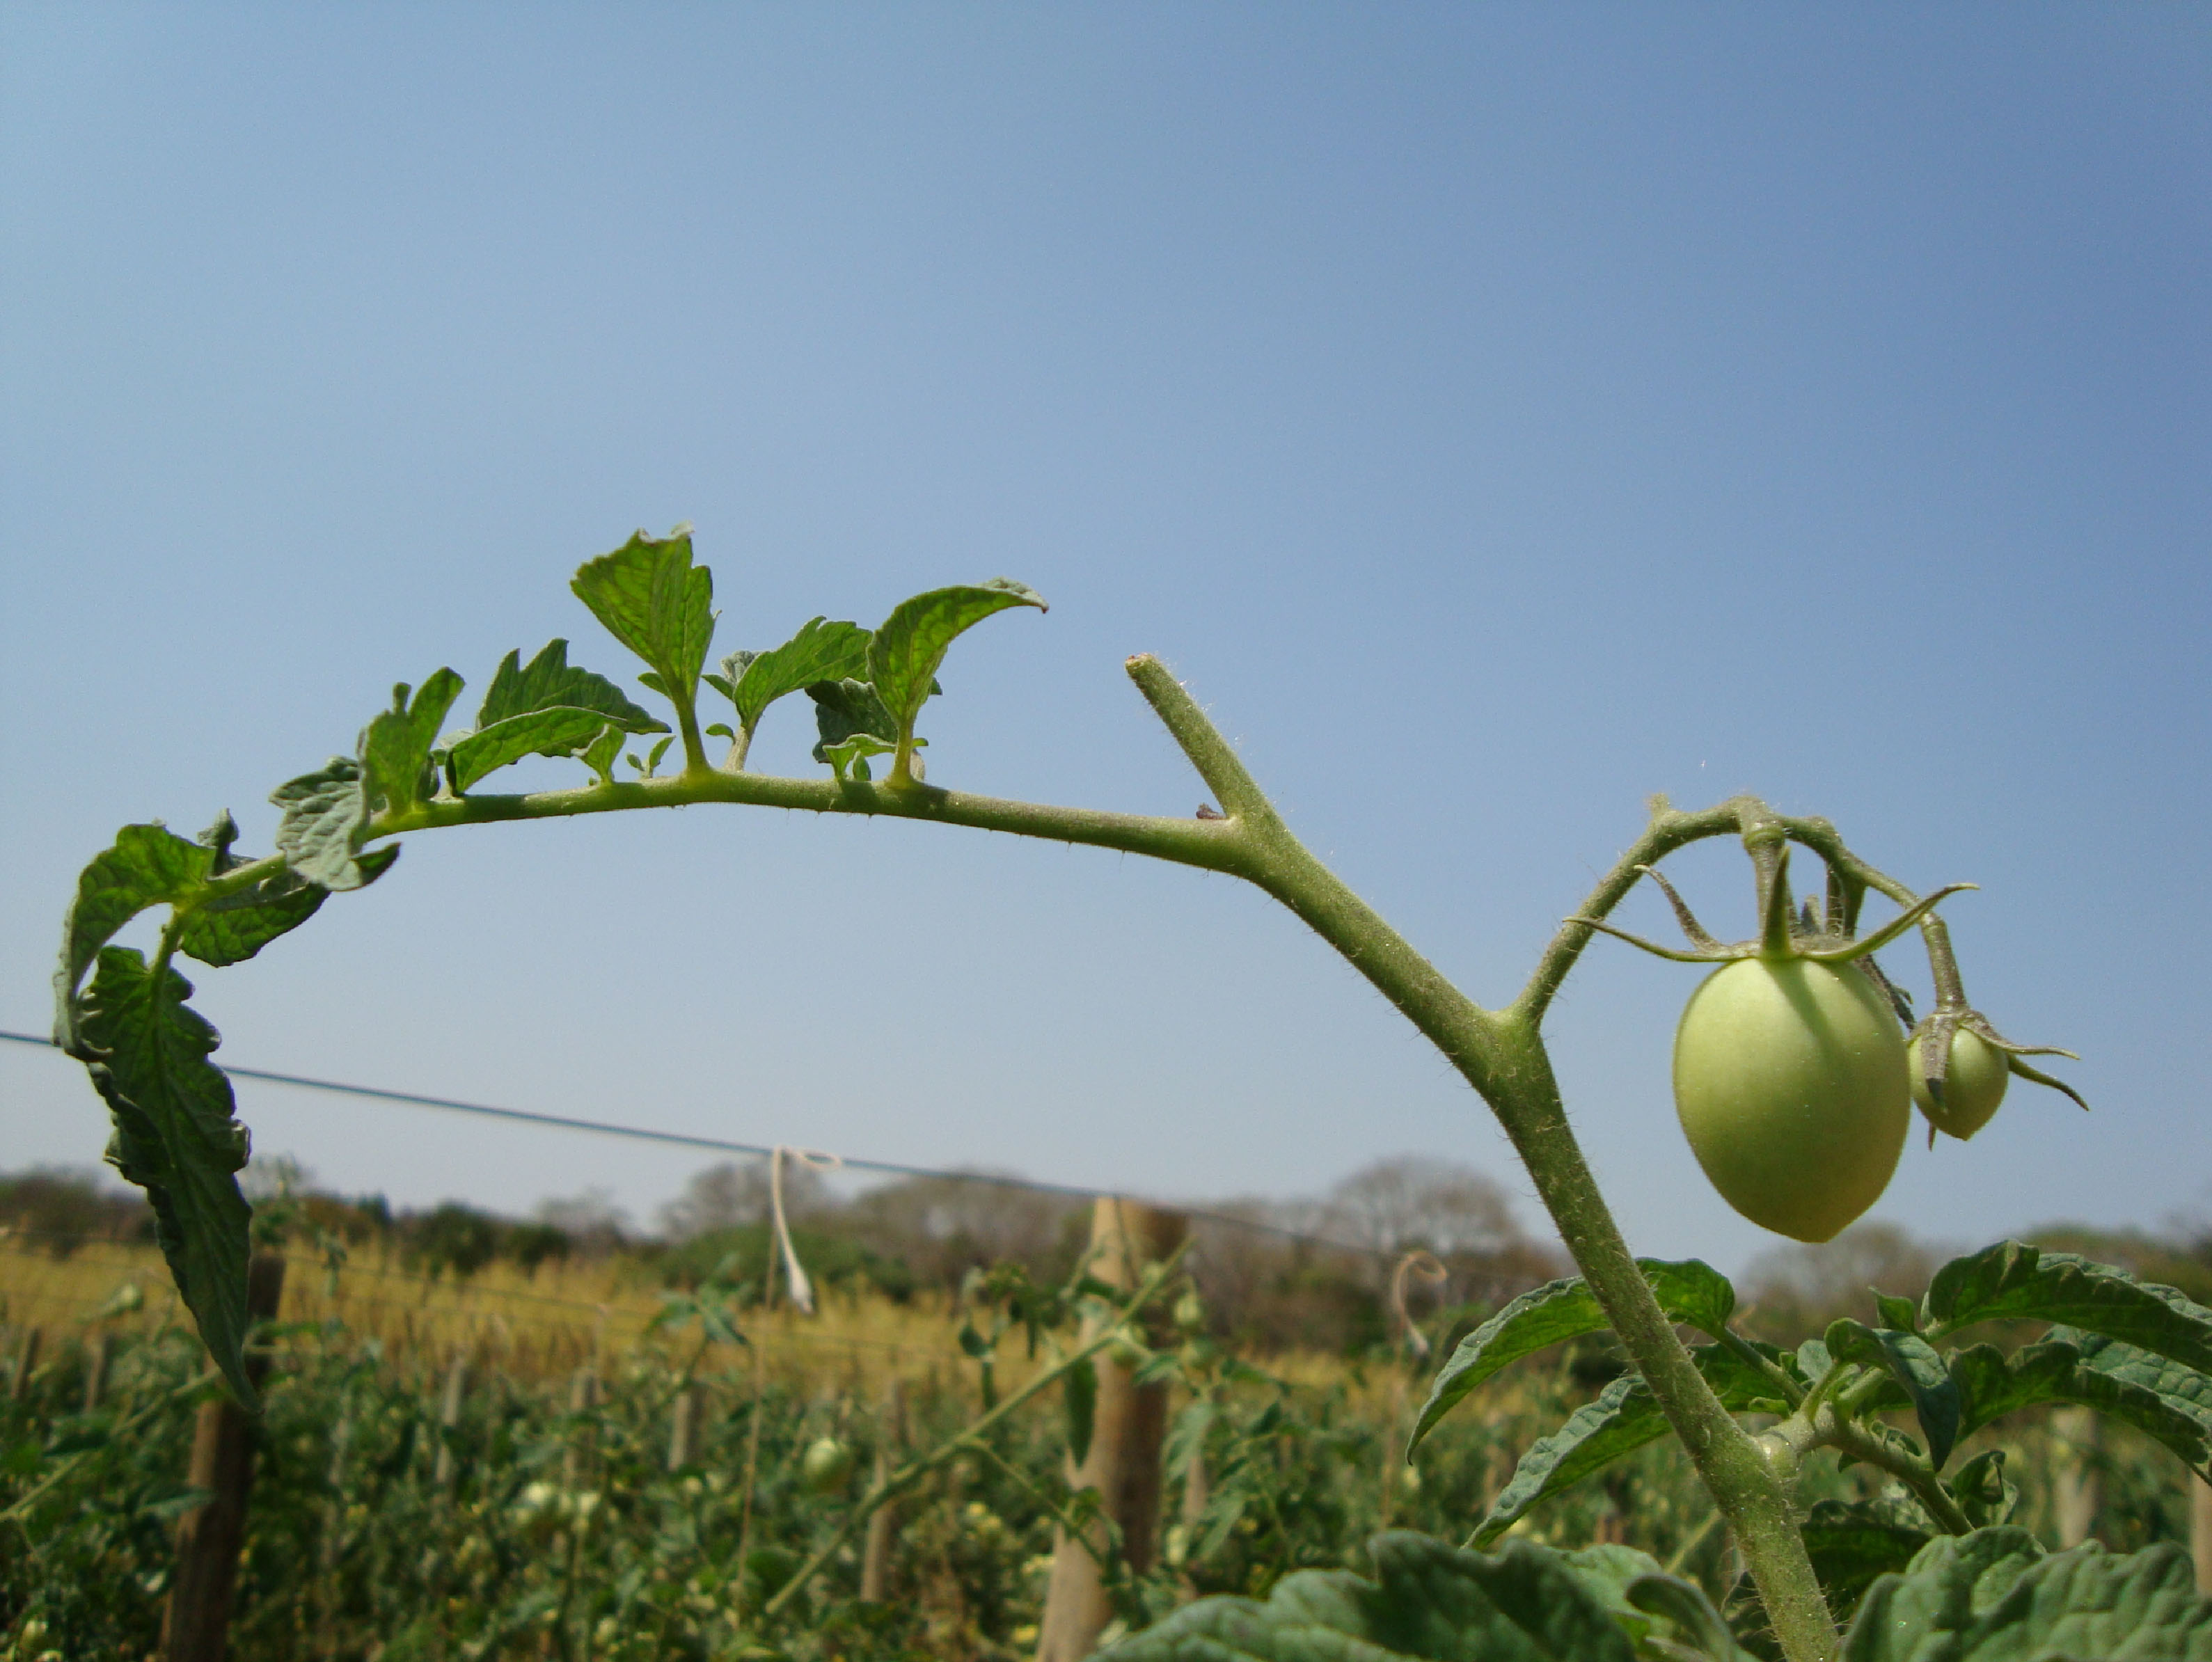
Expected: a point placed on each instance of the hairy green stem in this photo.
(1501, 1053)
(893, 1484)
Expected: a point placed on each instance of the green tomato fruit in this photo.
(1790, 1079)
(826, 1464)
(1973, 1084)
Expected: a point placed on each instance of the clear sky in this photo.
(1496, 413)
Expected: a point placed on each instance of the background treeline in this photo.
(1312, 1275)
(1309, 1275)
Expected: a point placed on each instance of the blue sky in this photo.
(1497, 414)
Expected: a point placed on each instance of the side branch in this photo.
(1667, 831)
(1201, 741)
(1212, 845)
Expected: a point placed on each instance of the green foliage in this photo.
(550, 682)
(2011, 1282)
(821, 650)
(148, 866)
(1919, 1372)
(1995, 1596)
(549, 708)
(1832, 1390)
(326, 818)
(231, 928)
(2162, 1398)
(1625, 1418)
(1853, 1543)
(175, 1136)
(1692, 1292)
(1429, 1600)
(905, 652)
(1992, 1596)
(655, 601)
(396, 774)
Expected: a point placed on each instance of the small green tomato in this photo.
(826, 1464)
(1791, 1081)
(1973, 1084)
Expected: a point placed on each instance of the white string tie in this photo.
(802, 1288)
(1422, 1263)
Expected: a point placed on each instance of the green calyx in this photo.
(1786, 931)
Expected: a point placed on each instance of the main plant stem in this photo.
(1500, 1052)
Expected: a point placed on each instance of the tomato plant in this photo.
(176, 1135)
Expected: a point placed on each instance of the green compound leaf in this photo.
(1428, 1602)
(395, 747)
(655, 601)
(555, 732)
(177, 1137)
(2123, 1383)
(904, 654)
(232, 928)
(148, 866)
(1912, 1362)
(550, 682)
(1994, 1596)
(2011, 1281)
(1625, 1418)
(1852, 1543)
(549, 708)
(319, 836)
(822, 651)
(1691, 1291)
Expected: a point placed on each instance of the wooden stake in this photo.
(1393, 1446)
(1128, 1425)
(882, 1523)
(27, 1359)
(583, 1396)
(95, 1370)
(685, 1422)
(331, 1548)
(196, 1620)
(2077, 1483)
(450, 1402)
(2200, 1531)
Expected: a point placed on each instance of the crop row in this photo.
(454, 1472)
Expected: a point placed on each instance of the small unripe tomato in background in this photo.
(1790, 1080)
(826, 1464)
(1190, 1313)
(1973, 1084)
